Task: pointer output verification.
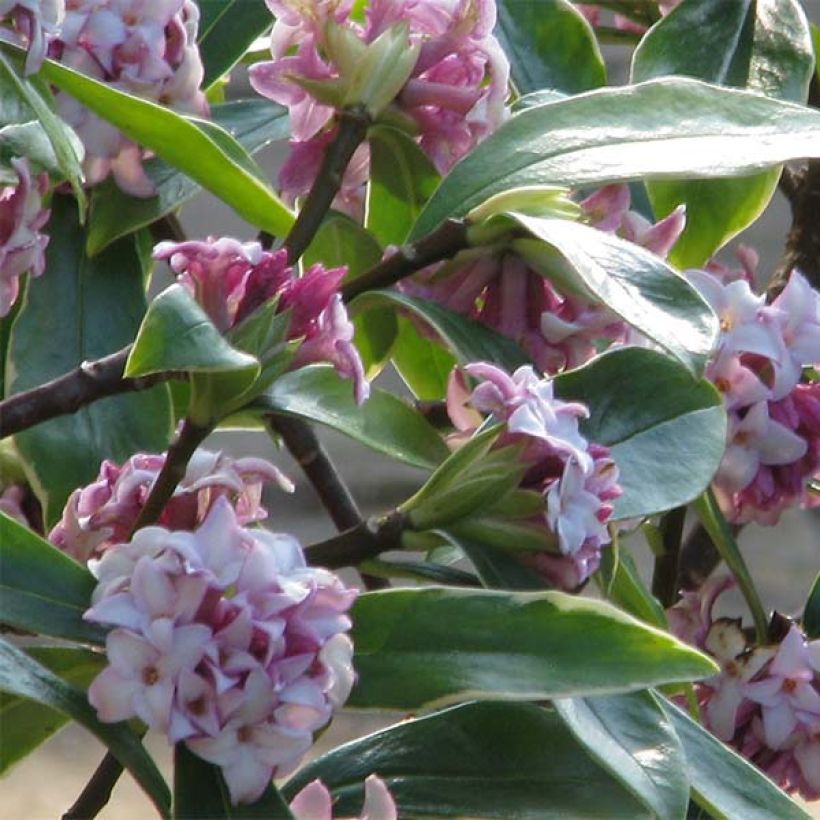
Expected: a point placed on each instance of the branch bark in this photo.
(360, 543)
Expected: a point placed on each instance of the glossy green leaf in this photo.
(26, 724)
(723, 783)
(423, 364)
(666, 430)
(384, 422)
(762, 45)
(419, 647)
(634, 283)
(811, 614)
(621, 584)
(402, 179)
(43, 590)
(632, 738)
(182, 143)
(469, 340)
(28, 99)
(477, 760)
(253, 123)
(631, 132)
(101, 303)
(177, 334)
(550, 45)
(22, 675)
(227, 28)
(200, 792)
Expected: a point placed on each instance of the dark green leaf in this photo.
(811, 614)
(418, 647)
(622, 585)
(402, 179)
(22, 675)
(549, 45)
(477, 760)
(384, 422)
(666, 430)
(182, 143)
(200, 792)
(634, 283)
(177, 334)
(101, 303)
(632, 738)
(43, 590)
(764, 46)
(226, 31)
(723, 783)
(253, 123)
(26, 724)
(618, 134)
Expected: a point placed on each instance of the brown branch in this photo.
(68, 393)
(97, 791)
(446, 241)
(360, 543)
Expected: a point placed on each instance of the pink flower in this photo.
(104, 512)
(32, 24)
(225, 639)
(22, 246)
(314, 802)
(230, 279)
(145, 48)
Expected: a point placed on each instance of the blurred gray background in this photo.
(784, 561)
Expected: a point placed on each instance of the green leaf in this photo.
(43, 590)
(469, 340)
(30, 96)
(253, 123)
(634, 283)
(477, 760)
(423, 363)
(666, 430)
(670, 128)
(177, 334)
(402, 179)
(723, 783)
(621, 584)
(182, 143)
(384, 422)
(811, 614)
(22, 675)
(632, 738)
(101, 303)
(763, 46)
(26, 724)
(226, 32)
(200, 792)
(419, 647)
(550, 45)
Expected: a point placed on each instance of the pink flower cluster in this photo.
(31, 24)
(230, 279)
(557, 331)
(578, 480)
(454, 97)
(145, 48)
(773, 447)
(22, 246)
(766, 699)
(104, 513)
(315, 802)
(225, 639)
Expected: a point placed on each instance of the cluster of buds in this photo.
(22, 246)
(435, 67)
(314, 802)
(31, 24)
(146, 49)
(558, 331)
(230, 279)
(773, 448)
(578, 481)
(224, 639)
(104, 513)
(765, 701)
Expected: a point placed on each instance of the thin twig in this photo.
(97, 791)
